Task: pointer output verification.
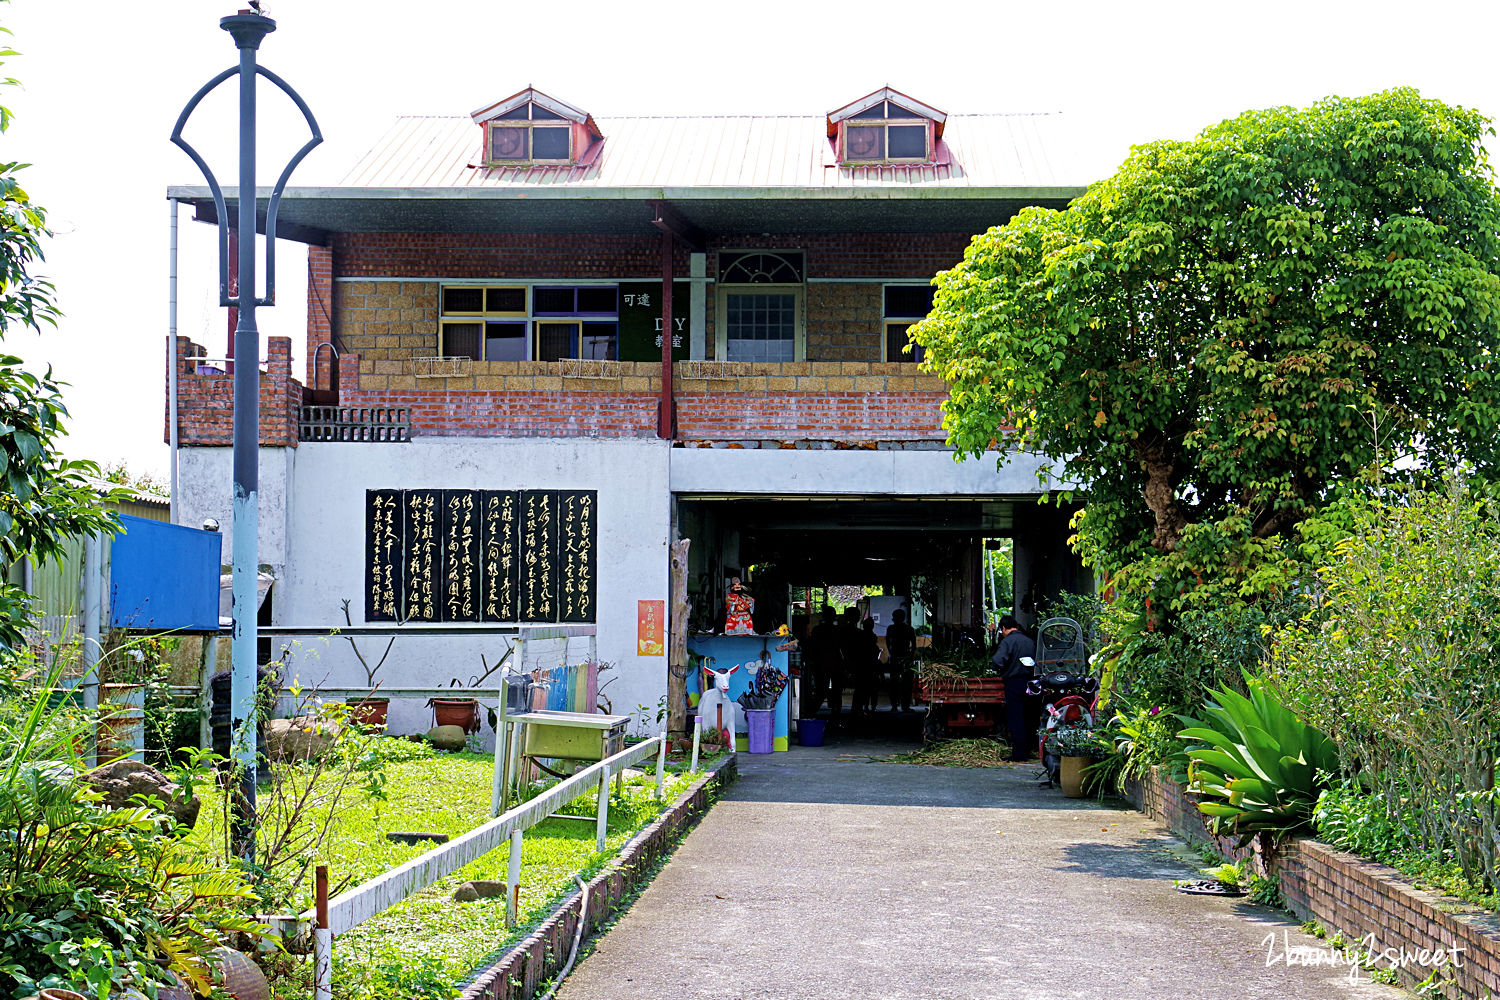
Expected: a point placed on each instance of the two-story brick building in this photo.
(486, 301)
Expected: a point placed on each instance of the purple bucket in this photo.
(760, 722)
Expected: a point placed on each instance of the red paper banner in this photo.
(651, 628)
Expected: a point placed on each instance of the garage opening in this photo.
(950, 567)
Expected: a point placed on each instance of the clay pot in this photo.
(57, 993)
(455, 712)
(243, 979)
(1071, 776)
(369, 711)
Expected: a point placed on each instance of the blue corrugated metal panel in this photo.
(164, 576)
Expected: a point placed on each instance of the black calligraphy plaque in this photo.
(500, 530)
(383, 555)
(461, 555)
(538, 556)
(577, 558)
(423, 562)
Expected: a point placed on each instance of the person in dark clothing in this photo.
(825, 658)
(1014, 646)
(863, 659)
(900, 645)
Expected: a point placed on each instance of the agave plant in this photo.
(1258, 766)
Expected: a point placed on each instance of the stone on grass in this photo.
(447, 737)
(416, 836)
(123, 780)
(302, 738)
(479, 888)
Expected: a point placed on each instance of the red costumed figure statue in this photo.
(739, 606)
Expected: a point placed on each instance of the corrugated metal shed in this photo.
(982, 151)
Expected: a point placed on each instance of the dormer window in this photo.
(886, 127)
(886, 131)
(529, 133)
(531, 127)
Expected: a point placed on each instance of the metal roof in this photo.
(983, 151)
(727, 175)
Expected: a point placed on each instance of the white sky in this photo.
(102, 84)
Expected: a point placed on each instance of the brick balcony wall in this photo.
(386, 319)
(205, 399)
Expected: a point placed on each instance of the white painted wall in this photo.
(320, 558)
(206, 489)
(933, 473)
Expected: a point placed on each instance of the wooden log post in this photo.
(677, 656)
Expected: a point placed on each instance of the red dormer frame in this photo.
(881, 128)
(511, 130)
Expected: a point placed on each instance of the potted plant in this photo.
(371, 709)
(1076, 747)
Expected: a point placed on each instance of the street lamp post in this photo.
(248, 28)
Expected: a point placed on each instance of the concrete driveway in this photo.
(822, 875)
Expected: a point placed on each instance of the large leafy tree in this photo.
(44, 498)
(1209, 338)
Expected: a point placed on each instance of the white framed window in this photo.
(904, 306)
(529, 134)
(760, 323)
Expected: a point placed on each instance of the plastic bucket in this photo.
(810, 732)
(762, 729)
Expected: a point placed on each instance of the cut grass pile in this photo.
(959, 753)
(429, 945)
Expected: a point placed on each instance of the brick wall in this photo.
(205, 400)
(1348, 894)
(576, 255)
(844, 321)
(319, 315)
(843, 393)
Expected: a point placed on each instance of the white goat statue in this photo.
(719, 711)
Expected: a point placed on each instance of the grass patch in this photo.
(430, 945)
(983, 752)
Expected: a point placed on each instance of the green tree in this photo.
(1202, 337)
(44, 498)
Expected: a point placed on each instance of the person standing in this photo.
(863, 656)
(1015, 645)
(900, 646)
(825, 659)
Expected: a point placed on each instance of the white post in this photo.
(697, 738)
(729, 724)
(497, 793)
(601, 823)
(172, 496)
(513, 766)
(661, 766)
(322, 963)
(93, 612)
(513, 881)
(205, 689)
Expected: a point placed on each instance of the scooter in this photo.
(1068, 700)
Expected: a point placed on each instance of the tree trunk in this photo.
(1161, 495)
(677, 659)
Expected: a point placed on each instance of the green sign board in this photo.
(640, 320)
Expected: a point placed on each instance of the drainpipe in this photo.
(172, 356)
(93, 611)
(664, 421)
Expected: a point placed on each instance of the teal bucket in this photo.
(810, 732)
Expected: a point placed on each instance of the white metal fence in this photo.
(354, 906)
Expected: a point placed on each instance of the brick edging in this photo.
(522, 970)
(1349, 894)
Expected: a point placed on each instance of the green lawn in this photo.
(430, 944)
